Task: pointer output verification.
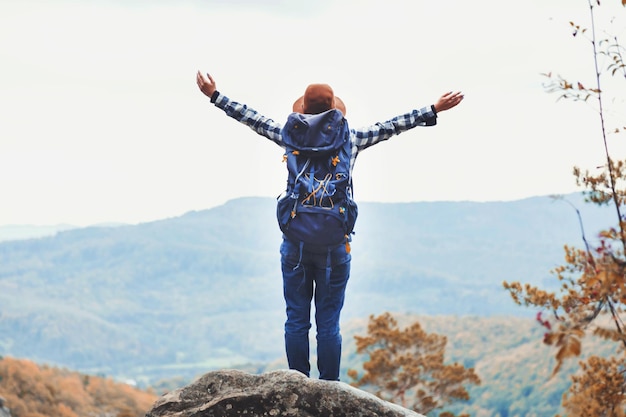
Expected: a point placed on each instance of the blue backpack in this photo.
(317, 207)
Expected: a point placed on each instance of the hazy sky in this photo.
(101, 119)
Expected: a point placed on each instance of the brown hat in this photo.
(318, 98)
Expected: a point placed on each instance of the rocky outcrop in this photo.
(280, 393)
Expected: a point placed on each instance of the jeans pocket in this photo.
(340, 256)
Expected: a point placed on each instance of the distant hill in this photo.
(31, 231)
(204, 291)
(27, 231)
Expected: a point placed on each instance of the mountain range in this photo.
(204, 290)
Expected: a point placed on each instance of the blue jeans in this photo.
(320, 274)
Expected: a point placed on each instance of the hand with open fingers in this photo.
(448, 100)
(206, 84)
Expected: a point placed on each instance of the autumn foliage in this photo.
(38, 391)
(592, 293)
(406, 367)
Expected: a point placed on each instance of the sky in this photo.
(101, 119)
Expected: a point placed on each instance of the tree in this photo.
(407, 367)
(31, 390)
(592, 295)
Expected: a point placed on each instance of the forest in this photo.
(508, 354)
(32, 390)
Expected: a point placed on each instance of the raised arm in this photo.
(426, 116)
(262, 125)
(206, 84)
(448, 101)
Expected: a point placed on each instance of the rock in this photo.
(279, 393)
(4, 411)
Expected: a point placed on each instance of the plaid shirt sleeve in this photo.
(368, 136)
(260, 124)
